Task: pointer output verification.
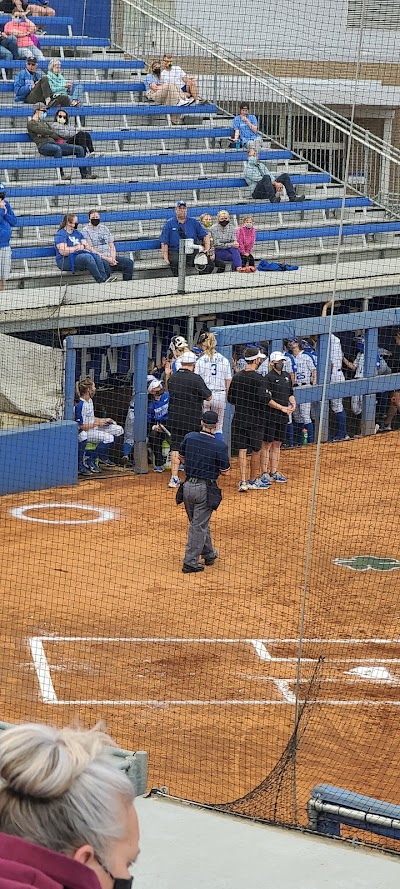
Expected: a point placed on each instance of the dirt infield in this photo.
(99, 622)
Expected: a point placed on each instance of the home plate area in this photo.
(214, 672)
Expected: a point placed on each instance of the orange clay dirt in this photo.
(98, 622)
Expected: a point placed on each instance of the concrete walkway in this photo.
(184, 847)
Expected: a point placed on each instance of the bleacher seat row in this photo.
(136, 190)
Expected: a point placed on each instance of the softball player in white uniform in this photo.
(216, 372)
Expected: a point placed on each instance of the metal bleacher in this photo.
(136, 190)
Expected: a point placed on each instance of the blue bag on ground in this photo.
(265, 266)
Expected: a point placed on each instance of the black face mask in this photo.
(119, 882)
(157, 71)
(76, 224)
(224, 222)
(95, 221)
(2, 195)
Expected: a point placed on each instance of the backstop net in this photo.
(196, 219)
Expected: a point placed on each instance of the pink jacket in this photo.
(246, 238)
(24, 864)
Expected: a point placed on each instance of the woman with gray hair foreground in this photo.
(66, 812)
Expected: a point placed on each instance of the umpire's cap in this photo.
(210, 418)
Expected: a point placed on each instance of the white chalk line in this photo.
(226, 703)
(49, 696)
(42, 671)
(219, 640)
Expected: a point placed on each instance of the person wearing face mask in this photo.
(67, 816)
(224, 236)
(22, 29)
(246, 236)
(282, 404)
(71, 133)
(49, 142)
(174, 230)
(168, 93)
(102, 242)
(74, 254)
(263, 186)
(7, 221)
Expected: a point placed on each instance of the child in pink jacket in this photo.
(246, 237)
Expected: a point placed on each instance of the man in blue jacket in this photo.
(7, 221)
(31, 85)
(178, 227)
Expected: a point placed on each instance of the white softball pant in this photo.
(217, 404)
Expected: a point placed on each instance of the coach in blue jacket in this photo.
(7, 221)
(182, 226)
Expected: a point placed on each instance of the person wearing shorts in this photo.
(187, 391)
(282, 404)
(249, 395)
(7, 221)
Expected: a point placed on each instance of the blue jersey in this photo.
(84, 412)
(205, 456)
(157, 411)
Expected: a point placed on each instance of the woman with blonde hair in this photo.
(216, 372)
(66, 812)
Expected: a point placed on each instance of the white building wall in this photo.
(288, 29)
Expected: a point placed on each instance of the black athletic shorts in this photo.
(249, 437)
(275, 426)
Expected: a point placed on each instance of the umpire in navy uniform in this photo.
(205, 457)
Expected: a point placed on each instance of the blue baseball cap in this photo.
(181, 204)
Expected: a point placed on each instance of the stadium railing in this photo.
(330, 807)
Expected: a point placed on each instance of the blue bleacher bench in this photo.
(42, 19)
(104, 62)
(142, 135)
(140, 244)
(160, 185)
(23, 110)
(131, 160)
(94, 86)
(165, 212)
(331, 806)
(49, 40)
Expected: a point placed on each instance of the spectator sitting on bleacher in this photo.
(178, 227)
(21, 28)
(31, 86)
(175, 74)
(71, 133)
(245, 129)
(262, 185)
(7, 221)
(8, 48)
(102, 242)
(41, 9)
(60, 86)
(74, 254)
(225, 241)
(50, 144)
(164, 93)
(246, 235)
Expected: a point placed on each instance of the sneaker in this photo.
(277, 477)
(241, 269)
(192, 569)
(345, 438)
(243, 486)
(112, 279)
(257, 484)
(82, 470)
(158, 469)
(277, 199)
(298, 198)
(106, 463)
(174, 482)
(252, 268)
(91, 466)
(266, 479)
(186, 101)
(385, 429)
